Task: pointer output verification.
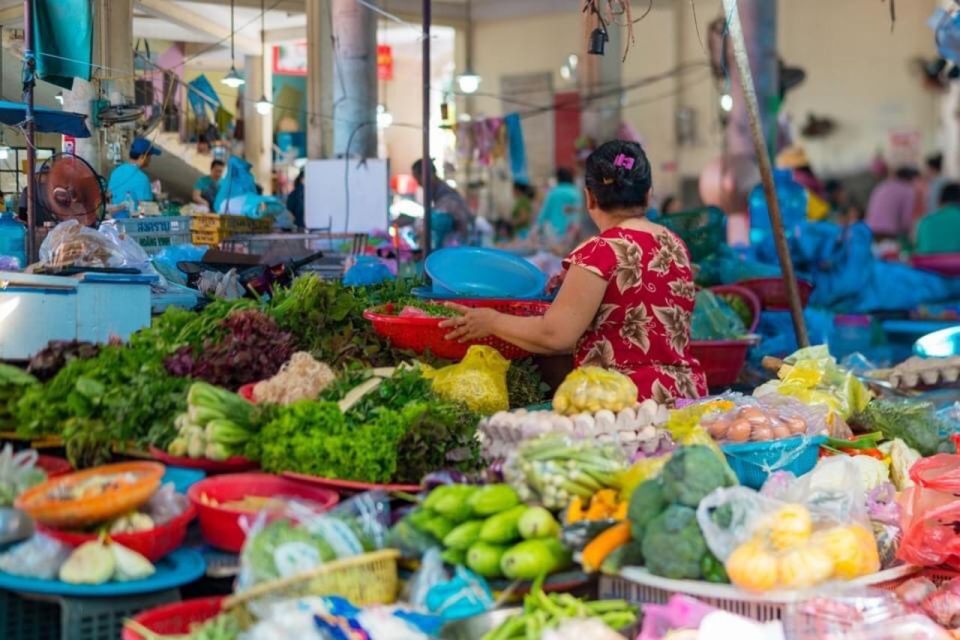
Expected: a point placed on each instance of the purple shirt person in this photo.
(891, 205)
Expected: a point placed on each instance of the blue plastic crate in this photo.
(753, 462)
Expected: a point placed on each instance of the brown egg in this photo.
(718, 429)
(739, 431)
(754, 415)
(796, 425)
(780, 432)
(761, 433)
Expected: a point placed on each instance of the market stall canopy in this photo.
(47, 120)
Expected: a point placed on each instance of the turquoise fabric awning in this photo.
(63, 40)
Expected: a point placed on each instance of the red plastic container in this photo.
(53, 466)
(154, 543)
(220, 526)
(772, 292)
(176, 618)
(946, 264)
(420, 334)
(722, 360)
(349, 487)
(236, 464)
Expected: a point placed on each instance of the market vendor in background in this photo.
(939, 232)
(560, 219)
(451, 219)
(627, 296)
(129, 183)
(205, 188)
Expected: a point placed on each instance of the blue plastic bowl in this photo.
(474, 272)
(753, 462)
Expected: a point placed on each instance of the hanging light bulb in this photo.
(384, 117)
(264, 106)
(726, 102)
(468, 82)
(233, 79)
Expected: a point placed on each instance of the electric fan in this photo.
(69, 189)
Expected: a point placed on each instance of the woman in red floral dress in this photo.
(627, 294)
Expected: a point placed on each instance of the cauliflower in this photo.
(673, 545)
(872, 472)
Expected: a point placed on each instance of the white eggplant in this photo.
(606, 421)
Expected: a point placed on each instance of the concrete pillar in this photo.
(258, 129)
(319, 79)
(355, 83)
(759, 19)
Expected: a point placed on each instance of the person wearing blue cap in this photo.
(129, 184)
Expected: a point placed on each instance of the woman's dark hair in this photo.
(618, 175)
(524, 189)
(564, 175)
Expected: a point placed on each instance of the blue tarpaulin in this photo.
(47, 120)
(203, 97)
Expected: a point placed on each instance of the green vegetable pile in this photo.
(402, 420)
(217, 425)
(487, 529)
(716, 318)
(663, 516)
(14, 382)
(913, 422)
(542, 611)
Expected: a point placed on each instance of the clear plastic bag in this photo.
(302, 537)
(772, 417)
(430, 573)
(70, 244)
(479, 380)
(815, 532)
(714, 319)
(590, 389)
(38, 557)
(166, 504)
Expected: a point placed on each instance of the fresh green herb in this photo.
(525, 385)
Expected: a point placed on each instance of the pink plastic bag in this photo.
(931, 513)
(680, 612)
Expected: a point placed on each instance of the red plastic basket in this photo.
(154, 543)
(220, 526)
(236, 464)
(421, 334)
(53, 466)
(722, 360)
(772, 292)
(176, 618)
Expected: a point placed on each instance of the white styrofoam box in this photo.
(92, 306)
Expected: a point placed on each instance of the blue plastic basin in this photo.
(474, 272)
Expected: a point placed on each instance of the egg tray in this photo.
(918, 372)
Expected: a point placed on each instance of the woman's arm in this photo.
(555, 332)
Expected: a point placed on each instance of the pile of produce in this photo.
(554, 470)
(101, 561)
(13, 383)
(635, 428)
(590, 389)
(217, 425)
(753, 424)
(479, 380)
(542, 611)
(719, 317)
(365, 437)
(488, 529)
(47, 362)
(301, 378)
(914, 423)
(663, 516)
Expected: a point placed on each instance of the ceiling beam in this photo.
(12, 14)
(193, 21)
(289, 34)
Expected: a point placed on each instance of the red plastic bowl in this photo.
(53, 466)
(772, 292)
(421, 334)
(176, 618)
(154, 543)
(236, 464)
(221, 526)
(349, 486)
(946, 264)
(722, 360)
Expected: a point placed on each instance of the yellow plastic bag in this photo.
(590, 389)
(479, 380)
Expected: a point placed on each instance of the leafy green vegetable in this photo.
(525, 385)
(673, 546)
(692, 473)
(913, 422)
(261, 553)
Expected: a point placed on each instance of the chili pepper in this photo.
(867, 441)
(872, 453)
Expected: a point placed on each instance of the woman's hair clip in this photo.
(622, 160)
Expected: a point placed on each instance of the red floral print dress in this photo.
(642, 327)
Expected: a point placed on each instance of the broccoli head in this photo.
(693, 473)
(646, 503)
(673, 546)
